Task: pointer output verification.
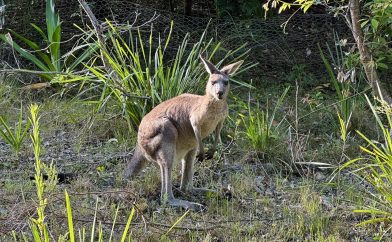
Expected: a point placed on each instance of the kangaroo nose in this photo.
(220, 94)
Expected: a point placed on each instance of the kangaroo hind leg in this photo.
(187, 175)
(165, 156)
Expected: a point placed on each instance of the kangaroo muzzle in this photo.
(219, 91)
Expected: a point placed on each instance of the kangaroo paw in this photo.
(200, 157)
(209, 154)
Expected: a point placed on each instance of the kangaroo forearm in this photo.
(218, 139)
(197, 132)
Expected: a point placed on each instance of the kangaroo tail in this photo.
(135, 164)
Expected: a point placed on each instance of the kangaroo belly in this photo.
(186, 143)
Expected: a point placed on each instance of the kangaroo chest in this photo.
(209, 120)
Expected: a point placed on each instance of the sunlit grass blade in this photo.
(126, 229)
(175, 223)
(69, 217)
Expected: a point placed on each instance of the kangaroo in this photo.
(173, 131)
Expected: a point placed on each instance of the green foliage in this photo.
(38, 226)
(282, 6)
(376, 168)
(126, 229)
(261, 128)
(70, 234)
(377, 27)
(343, 127)
(345, 80)
(299, 74)
(49, 58)
(139, 76)
(16, 137)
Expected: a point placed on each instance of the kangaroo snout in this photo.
(220, 94)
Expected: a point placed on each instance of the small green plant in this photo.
(49, 58)
(72, 233)
(38, 226)
(377, 29)
(299, 74)
(14, 136)
(343, 127)
(376, 168)
(260, 126)
(344, 82)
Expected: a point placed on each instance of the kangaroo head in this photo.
(218, 82)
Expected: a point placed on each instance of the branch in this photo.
(99, 32)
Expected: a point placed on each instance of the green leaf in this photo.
(374, 22)
(40, 31)
(69, 218)
(307, 7)
(382, 65)
(331, 73)
(54, 47)
(24, 53)
(36, 48)
(364, 23)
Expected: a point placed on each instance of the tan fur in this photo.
(173, 132)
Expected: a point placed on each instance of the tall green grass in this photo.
(344, 81)
(14, 136)
(143, 71)
(261, 127)
(375, 166)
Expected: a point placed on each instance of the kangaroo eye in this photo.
(213, 82)
(225, 83)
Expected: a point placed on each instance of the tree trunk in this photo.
(364, 53)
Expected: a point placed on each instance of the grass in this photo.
(262, 129)
(16, 135)
(259, 199)
(376, 168)
(139, 74)
(264, 202)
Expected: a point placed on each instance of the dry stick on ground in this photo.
(364, 53)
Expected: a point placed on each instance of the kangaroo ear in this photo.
(232, 68)
(211, 69)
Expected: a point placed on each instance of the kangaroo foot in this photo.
(185, 204)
